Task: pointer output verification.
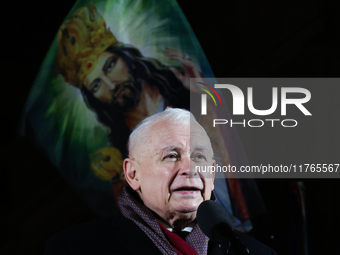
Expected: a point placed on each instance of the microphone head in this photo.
(210, 214)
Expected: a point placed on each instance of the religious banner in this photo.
(112, 64)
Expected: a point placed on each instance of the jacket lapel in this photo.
(130, 238)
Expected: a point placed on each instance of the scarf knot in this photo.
(132, 207)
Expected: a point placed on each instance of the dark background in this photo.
(240, 39)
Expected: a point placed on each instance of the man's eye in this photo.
(200, 157)
(95, 86)
(171, 157)
(110, 66)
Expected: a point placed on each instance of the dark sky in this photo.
(240, 39)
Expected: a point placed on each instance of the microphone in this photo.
(216, 223)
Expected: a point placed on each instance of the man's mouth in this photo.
(187, 190)
(120, 92)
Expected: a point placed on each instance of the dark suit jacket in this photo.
(119, 235)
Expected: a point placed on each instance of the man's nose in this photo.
(187, 168)
(109, 83)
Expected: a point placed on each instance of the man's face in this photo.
(111, 82)
(165, 168)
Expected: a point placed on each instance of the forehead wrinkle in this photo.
(199, 135)
(171, 148)
(159, 137)
(173, 140)
(201, 148)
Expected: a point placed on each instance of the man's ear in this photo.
(130, 172)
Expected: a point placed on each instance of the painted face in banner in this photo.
(110, 81)
(92, 59)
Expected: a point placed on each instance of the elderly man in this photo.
(161, 198)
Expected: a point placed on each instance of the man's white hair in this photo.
(175, 115)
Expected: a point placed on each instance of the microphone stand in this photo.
(228, 242)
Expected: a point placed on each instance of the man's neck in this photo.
(149, 103)
(178, 226)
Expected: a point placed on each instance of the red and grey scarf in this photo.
(133, 208)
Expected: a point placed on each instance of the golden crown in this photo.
(81, 41)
